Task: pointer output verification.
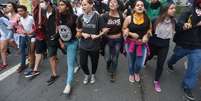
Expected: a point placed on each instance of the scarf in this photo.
(87, 17)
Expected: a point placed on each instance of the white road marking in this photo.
(9, 72)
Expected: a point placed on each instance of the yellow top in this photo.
(138, 18)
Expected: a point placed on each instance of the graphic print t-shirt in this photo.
(67, 27)
(91, 26)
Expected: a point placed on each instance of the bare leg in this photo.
(4, 54)
(53, 63)
(37, 61)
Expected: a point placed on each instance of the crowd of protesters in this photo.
(139, 29)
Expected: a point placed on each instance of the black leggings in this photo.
(161, 53)
(94, 56)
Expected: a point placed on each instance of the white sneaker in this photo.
(93, 79)
(86, 79)
(77, 68)
(67, 89)
(131, 79)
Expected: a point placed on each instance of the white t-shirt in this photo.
(27, 23)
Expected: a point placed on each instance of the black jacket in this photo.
(50, 26)
(191, 38)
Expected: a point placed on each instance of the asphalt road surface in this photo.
(15, 87)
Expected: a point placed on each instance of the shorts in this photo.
(52, 51)
(6, 36)
(41, 46)
(16, 38)
(52, 47)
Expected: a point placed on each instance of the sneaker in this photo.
(86, 79)
(157, 86)
(77, 68)
(189, 95)
(131, 79)
(137, 77)
(67, 89)
(171, 68)
(93, 79)
(29, 74)
(113, 77)
(27, 71)
(52, 80)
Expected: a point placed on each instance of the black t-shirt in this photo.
(114, 23)
(67, 27)
(141, 29)
(92, 27)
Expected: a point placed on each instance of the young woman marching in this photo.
(5, 32)
(137, 30)
(113, 24)
(88, 27)
(159, 43)
(7, 38)
(68, 40)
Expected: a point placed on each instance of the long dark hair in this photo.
(69, 13)
(134, 4)
(68, 4)
(14, 6)
(120, 4)
(195, 18)
(91, 2)
(163, 14)
(1, 14)
(145, 14)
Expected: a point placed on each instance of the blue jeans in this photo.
(194, 64)
(23, 49)
(112, 50)
(179, 53)
(136, 63)
(71, 48)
